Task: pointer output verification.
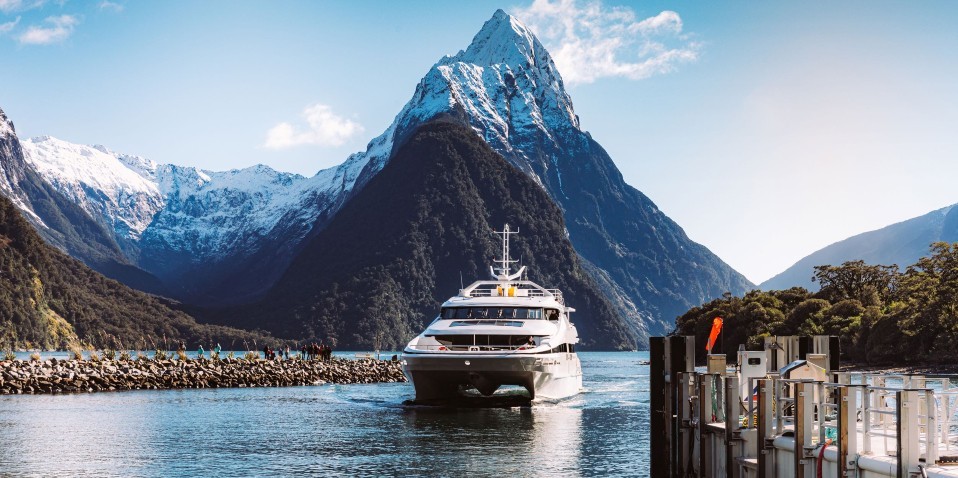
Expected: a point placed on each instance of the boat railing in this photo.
(531, 292)
(469, 348)
(556, 293)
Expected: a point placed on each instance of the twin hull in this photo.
(438, 376)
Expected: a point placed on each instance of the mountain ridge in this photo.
(901, 243)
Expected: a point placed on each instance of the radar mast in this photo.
(505, 262)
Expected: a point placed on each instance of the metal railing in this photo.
(882, 404)
(471, 348)
(555, 293)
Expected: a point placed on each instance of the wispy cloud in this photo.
(589, 41)
(6, 27)
(7, 6)
(108, 5)
(323, 128)
(58, 28)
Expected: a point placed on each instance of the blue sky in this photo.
(785, 127)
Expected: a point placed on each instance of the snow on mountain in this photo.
(215, 214)
(180, 222)
(98, 181)
(188, 208)
(504, 84)
(9, 177)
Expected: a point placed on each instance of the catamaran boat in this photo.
(504, 331)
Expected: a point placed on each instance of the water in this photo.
(355, 430)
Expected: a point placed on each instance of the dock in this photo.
(788, 411)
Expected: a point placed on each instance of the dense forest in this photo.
(48, 299)
(379, 271)
(882, 315)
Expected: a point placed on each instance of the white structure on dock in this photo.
(788, 412)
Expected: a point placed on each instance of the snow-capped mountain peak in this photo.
(505, 85)
(98, 181)
(503, 40)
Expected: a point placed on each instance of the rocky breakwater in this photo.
(70, 376)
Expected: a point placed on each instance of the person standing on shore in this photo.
(199, 352)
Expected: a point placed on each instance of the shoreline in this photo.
(54, 376)
(908, 369)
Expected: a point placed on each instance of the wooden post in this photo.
(834, 353)
(766, 454)
(659, 415)
(804, 412)
(732, 405)
(705, 417)
(847, 427)
(683, 420)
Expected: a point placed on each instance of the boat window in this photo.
(552, 314)
(483, 340)
(492, 313)
(525, 313)
(469, 323)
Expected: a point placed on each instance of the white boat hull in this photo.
(438, 376)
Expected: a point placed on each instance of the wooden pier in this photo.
(788, 411)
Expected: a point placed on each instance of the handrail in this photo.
(471, 348)
(930, 403)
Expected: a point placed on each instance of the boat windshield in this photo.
(491, 313)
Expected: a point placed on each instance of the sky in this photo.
(767, 130)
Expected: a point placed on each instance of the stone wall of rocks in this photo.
(70, 376)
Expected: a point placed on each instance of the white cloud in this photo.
(323, 128)
(108, 5)
(7, 6)
(61, 27)
(6, 27)
(589, 41)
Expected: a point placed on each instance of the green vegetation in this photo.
(880, 314)
(49, 300)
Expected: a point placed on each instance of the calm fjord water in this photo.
(355, 430)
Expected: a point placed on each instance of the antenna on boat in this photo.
(461, 284)
(505, 262)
